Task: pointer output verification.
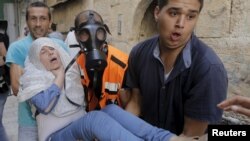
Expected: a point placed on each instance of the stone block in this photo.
(240, 18)
(214, 20)
(235, 55)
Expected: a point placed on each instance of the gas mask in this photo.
(92, 39)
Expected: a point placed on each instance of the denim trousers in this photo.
(27, 133)
(110, 124)
(3, 98)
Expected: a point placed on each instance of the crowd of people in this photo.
(156, 92)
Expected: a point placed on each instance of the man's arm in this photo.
(15, 73)
(134, 104)
(193, 127)
(209, 89)
(124, 96)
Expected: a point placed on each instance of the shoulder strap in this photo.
(74, 46)
(67, 68)
(73, 61)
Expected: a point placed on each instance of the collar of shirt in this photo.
(29, 37)
(186, 54)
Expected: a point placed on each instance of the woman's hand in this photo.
(59, 72)
(59, 76)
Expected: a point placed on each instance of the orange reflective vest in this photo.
(111, 81)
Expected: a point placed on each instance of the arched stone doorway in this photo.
(148, 25)
(143, 21)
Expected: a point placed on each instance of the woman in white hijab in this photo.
(43, 84)
(59, 99)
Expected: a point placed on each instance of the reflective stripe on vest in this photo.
(111, 88)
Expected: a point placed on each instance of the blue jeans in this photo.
(3, 98)
(111, 124)
(27, 133)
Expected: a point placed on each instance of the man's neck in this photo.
(169, 56)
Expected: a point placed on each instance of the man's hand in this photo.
(238, 104)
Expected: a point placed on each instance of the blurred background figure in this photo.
(26, 31)
(55, 34)
(4, 74)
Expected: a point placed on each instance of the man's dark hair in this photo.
(37, 4)
(162, 3)
(85, 14)
(4, 25)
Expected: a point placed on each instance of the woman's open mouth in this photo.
(53, 59)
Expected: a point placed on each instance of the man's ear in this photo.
(156, 13)
(50, 23)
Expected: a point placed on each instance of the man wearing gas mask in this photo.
(103, 65)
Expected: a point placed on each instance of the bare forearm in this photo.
(134, 104)
(124, 97)
(15, 73)
(194, 127)
(133, 108)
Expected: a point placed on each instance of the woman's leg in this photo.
(94, 125)
(136, 125)
(27, 133)
(3, 98)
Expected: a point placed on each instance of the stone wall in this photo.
(123, 17)
(223, 24)
(63, 14)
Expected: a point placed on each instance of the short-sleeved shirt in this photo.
(17, 53)
(196, 84)
(57, 35)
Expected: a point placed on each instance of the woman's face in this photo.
(50, 58)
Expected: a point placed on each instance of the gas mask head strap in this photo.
(91, 20)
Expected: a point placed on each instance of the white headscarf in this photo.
(36, 78)
(37, 46)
